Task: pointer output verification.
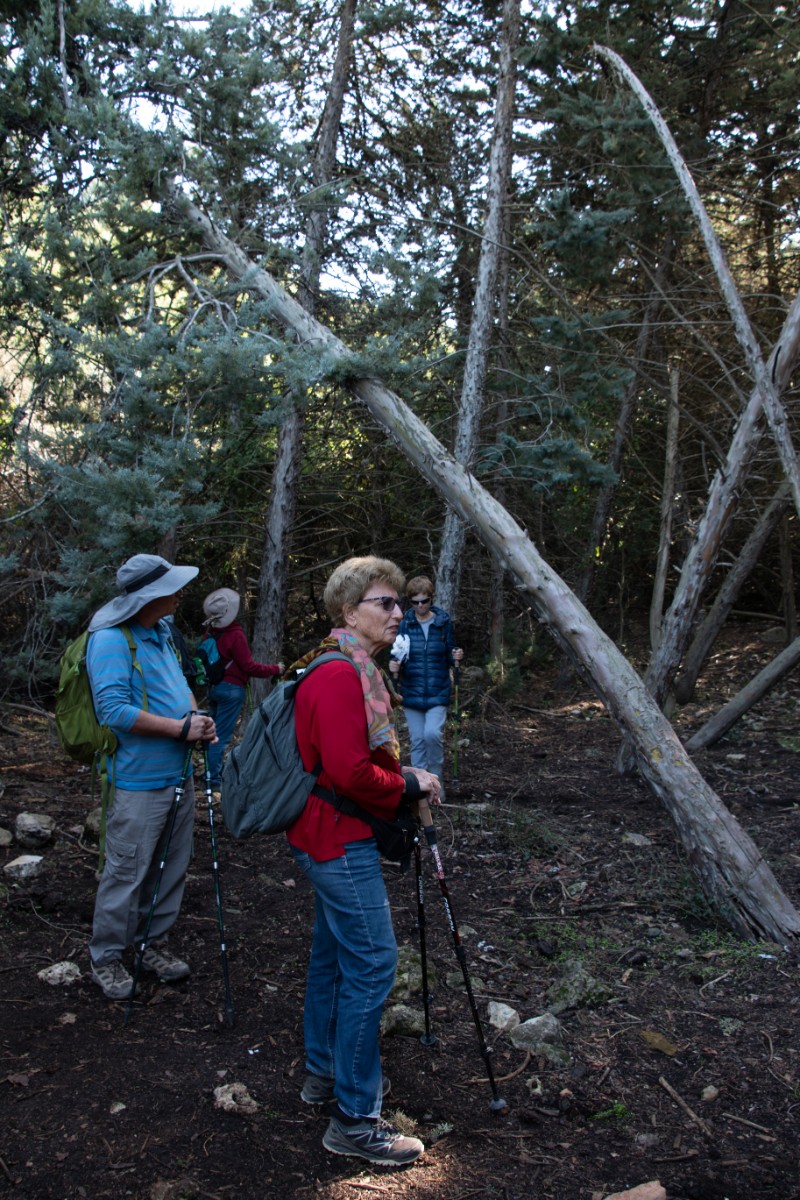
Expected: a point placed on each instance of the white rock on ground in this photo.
(502, 1016)
(60, 974)
(33, 830)
(27, 866)
(645, 1191)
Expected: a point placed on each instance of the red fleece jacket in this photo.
(235, 652)
(331, 727)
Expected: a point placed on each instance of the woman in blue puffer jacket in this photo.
(425, 657)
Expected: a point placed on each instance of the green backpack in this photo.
(82, 736)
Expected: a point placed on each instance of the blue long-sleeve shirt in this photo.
(141, 762)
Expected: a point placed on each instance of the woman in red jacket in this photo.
(221, 608)
(345, 726)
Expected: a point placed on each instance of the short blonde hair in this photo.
(351, 579)
(420, 583)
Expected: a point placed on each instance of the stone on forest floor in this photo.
(543, 1036)
(27, 866)
(59, 974)
(408, 977)
(402, 1021)
(235, 1098)
(576, 989)
(33, 830)
(644, 1191)
(502, 1016)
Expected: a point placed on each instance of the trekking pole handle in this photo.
(424, 812)
(199, 712)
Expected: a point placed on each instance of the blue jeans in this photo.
(350, 974)
(226, 704)
(426, 730)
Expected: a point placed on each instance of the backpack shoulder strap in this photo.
(328, 656)
(135, 664)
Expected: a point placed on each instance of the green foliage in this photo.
(143, 389)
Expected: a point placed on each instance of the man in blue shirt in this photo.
(145, 700)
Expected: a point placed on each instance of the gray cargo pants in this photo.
(135, 832)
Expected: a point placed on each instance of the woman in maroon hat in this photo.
(221, 609)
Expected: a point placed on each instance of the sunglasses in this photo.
(427, 600)
(387, 603)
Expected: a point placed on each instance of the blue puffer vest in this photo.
(425, 680)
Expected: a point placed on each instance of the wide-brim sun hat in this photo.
(140, 579)
(221, 607)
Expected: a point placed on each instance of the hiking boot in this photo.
(166, 966)
(319, 1090)
(114, 979)
(376, 1141)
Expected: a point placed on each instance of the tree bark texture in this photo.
(710, 626)
(270, 618)
(451, 553)
(764, 381)
(667, 506)
(750, 694)
(727, 863)
(770, 378)
(605, 496)
(723, 500)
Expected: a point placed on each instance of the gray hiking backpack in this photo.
(264, 783)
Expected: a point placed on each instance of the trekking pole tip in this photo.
(429, 1039)
(498, 1105)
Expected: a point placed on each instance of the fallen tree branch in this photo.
(706, 1129)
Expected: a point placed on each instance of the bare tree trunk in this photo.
(497, 581)
(270, 615)
(712, 623)
(787, 581)
(762, 377)
(605, 497)
(667, 506)
(723, 499)
(451, 552)
(723, 856)
(722, 721)
(769, 380)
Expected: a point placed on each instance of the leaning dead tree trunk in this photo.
(769, 380)
(712, 623)
(726, 861)
(273, 583)
(776, 414)
(750, 694)
(451, 553)
(723, 500)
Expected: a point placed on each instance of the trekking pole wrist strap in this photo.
(412, 790)
(187, 724)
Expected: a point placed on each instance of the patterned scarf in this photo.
(378, 701)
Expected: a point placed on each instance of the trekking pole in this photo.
(180, 789)
(223, 949)
(455, 722)
(496, 1104)
(427, 1038)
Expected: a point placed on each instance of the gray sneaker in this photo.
(376, 1141)
(317, 1089)
(114, 979)
(166, 966)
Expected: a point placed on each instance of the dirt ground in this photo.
(688, 1072)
